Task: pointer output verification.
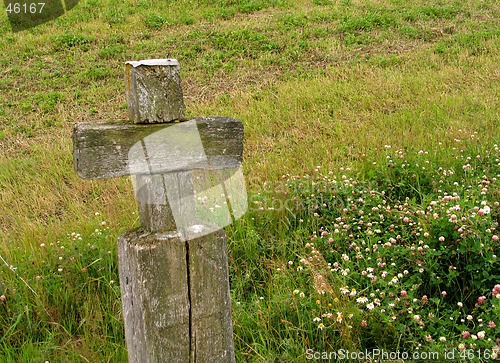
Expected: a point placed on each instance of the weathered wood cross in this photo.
(188, 184)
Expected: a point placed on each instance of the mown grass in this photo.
(315, 82)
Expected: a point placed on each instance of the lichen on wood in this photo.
(102, 150)
(154, 93)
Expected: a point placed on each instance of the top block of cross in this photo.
(154, 92)
(176, 163)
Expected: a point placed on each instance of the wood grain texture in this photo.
(102, 150)
(155, 297)
(211, 325)
(154, 93)
(166, 202)
(175, 296)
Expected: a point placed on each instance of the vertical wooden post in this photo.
(175, 292)
(173, 269)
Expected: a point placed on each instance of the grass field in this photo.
(330, 83)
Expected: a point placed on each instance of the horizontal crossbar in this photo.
(111, 150)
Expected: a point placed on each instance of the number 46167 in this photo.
(17, 8)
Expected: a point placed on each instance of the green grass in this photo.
(315, 83)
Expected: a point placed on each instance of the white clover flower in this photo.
(362, 299)
(339, 317)
(344, 290)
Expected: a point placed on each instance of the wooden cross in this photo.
(188, 183)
